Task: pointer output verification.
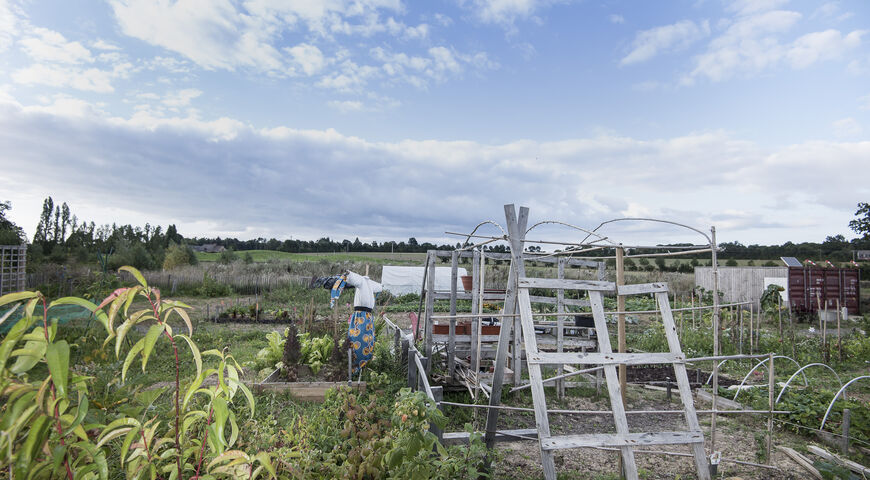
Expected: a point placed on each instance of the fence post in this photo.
(412, 371)
(847, 420)
(438, 394)
(404, 358)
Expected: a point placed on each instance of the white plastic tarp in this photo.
(404, 280)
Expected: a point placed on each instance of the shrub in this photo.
(227, 257)
(44, 421)
(177, 256)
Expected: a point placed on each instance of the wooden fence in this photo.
(246, 284)
(13, 261)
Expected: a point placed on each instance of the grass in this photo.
(274, 255)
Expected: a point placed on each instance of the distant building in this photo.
(209, 248)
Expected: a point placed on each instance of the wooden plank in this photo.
(430, 304)
(577, 358)
(721, 401)
(555, 283)
(616, 403)
(801, 460)
(855, 467)
(451, 343)
(475, 308)
(536, 381)
(308, 391)
(574, 262)
(641, 288)
(560, 332)
(622, 440)
(555, 301)
(504, 334)
(452, 438)
(682, 378)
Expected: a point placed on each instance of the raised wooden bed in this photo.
(464, 329)
(308, 391)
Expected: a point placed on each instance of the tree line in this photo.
(61, 237)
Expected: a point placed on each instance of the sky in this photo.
(390, 119)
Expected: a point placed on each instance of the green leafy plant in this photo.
(315, 351)
(49, 415)
(270, 355)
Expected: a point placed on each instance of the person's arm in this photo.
(375, 286)
(354, 280)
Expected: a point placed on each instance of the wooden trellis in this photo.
(623, 438)
(13, 262)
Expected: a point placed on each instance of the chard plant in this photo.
(42, 422)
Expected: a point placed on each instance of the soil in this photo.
(655, 374)
(737, 437)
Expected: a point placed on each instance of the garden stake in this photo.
(839, 338)
(770, 384)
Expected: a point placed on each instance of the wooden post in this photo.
(693, 307)
(620, 327)
(740, 340)
(412, 370)
(620, 333)
(779, 313)
(517, 229)
(451, 338)
(847, 421)
(424, 361)
(715, 267)
(839, 338)
(560, 322)
(770, 387)
(476, 303)
(430, 304)
(438, 395)
(405, 345)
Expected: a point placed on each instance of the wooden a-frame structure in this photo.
(517, 301)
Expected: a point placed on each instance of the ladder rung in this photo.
(556, 283)
(640, 288)
(621, 440)
(576, 358)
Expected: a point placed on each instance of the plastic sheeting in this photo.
(404, 280)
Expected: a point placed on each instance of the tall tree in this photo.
(10, 234)
(43, 228)
(861, 225)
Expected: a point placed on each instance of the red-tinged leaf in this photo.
(111, 297)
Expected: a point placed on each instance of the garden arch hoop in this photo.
(828, 411)
(762, 363)
(801, 370)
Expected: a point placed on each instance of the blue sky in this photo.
(387, 119)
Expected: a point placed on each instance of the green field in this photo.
(272, 255)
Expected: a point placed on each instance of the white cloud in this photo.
(506, 12)
(296, 171)
(212, 33)
(754, 41)
(617, 19)
(8, 25)
(308, 57)
(181, 98)
(346, 106)
(440, 64)
(813, 47)
(91, 79)
(847, 127)
(45, 45)
(649, 43)
(101, 44)
(864, 102)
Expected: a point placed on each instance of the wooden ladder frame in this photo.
(623, 438)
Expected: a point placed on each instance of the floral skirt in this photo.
(361, 333)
